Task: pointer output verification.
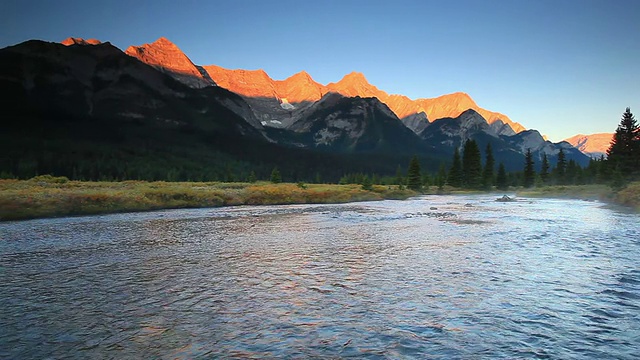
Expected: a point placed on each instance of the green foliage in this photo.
(399, 180)
(559, 173)
(276, 178)
(529, 175)
(441, 177)
(252, 177)
(488, 177)
(471, 165)
(414, 178)
(624, 151)
(502, 182)
(301, 185)
(366, 183)
(454, 178)
(544, 169)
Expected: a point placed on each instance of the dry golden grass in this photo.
(47, 196)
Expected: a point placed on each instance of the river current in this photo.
(438, 277)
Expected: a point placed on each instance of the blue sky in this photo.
(562, 67)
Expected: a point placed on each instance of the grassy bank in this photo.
(47, 196)
(628, 196)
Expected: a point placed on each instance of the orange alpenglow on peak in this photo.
(250, 83)
(165, 55)
(80, 41)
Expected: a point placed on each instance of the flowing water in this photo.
(451, 277)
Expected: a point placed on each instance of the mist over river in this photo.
(441, 277)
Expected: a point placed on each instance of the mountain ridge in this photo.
(594, 145)
(301, 88)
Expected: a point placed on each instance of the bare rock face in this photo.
(410, 112)
(166, 56)
(594, 145)
(452, 105)
(280, 103)
(79, 41)
(300, 88)
(276, 103)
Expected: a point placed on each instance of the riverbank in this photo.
(47, 196)
(628, 196)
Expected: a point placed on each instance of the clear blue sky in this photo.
(562, 67)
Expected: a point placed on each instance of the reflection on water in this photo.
(437, 277)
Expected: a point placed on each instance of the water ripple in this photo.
(433, 277)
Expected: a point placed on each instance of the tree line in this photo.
(469, 170)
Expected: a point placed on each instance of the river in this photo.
(440, 277)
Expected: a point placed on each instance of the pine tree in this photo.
(502, 182)
(529, 176)
(488, 172)
(572, 172)
(455, 172)
(275, 176)
(561, 168)
(441, 178)
(471, 165)
(544, 169)
(624, 152)
(366, 183)
(252, 177)
(414, 178)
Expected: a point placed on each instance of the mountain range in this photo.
(150, 107)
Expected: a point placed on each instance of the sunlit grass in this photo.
(590, 192)
(630, 196)
(47, 196)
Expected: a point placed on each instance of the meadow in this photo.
(47, 196)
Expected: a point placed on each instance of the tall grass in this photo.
(47, 196)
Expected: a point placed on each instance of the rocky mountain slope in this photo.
(594, 145)
(166, 56)
(87, 108)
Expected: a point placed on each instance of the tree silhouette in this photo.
(414, 178)
(502, 182)
(275, 176)
(455, 172)
(471, 165)
(488, 172)
(529, 173)
(544, 169)
(561, 168)
(624, 152)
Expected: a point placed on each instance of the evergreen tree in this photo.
(488, 172)
(561, 168)
(572, 172)
(624, 152)
(502, 182)
(414, 178)
(471, 165)
(426, 180)
(441, 178)
(275, 176)
(455, 172)
(366, 183)
(252, 177)
(529, 175)
(544, 169)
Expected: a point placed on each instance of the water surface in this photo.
(432, 277)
